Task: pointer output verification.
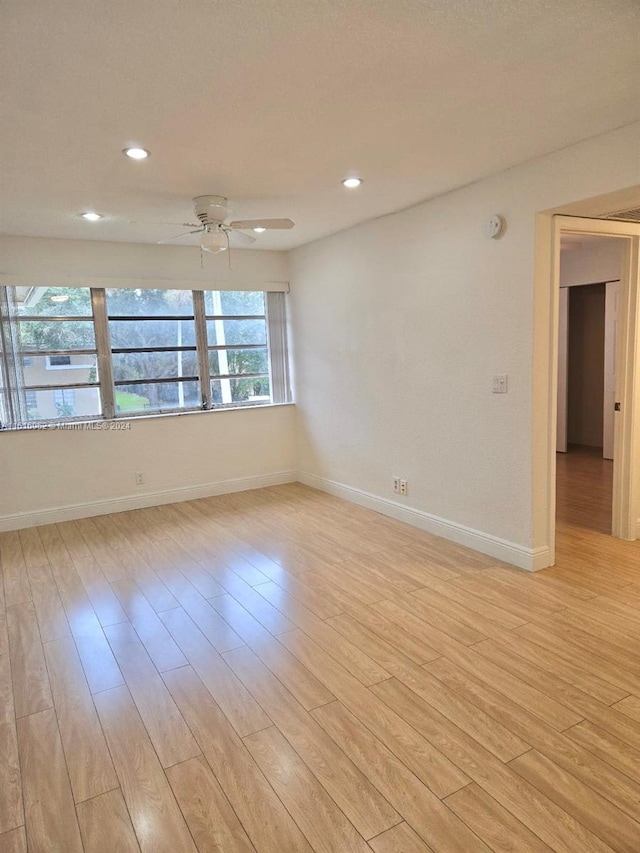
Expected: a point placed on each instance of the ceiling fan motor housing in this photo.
(211, 209)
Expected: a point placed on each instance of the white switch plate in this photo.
(500, 384)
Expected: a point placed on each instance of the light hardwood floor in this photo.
(584, 489)
(282, 672)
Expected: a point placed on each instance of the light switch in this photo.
(500, 385)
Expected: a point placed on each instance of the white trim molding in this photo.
(529, 559)
(70, 512)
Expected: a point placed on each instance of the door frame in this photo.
(563, 370)
(626, 487)
(611, 301)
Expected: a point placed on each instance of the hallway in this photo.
(584, 489)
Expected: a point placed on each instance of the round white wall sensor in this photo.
(495, 226)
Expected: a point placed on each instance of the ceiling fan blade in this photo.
(237, 239)
(269, 224)
(156, 222)
(178, 236)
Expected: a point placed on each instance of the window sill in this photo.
(118, 423)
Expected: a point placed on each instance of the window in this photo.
(153, 350)
(87, 353)
(238, 359)
(57, 349)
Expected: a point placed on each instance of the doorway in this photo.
(587, 340)
(550, 229)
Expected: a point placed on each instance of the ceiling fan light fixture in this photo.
(259, 230)
(214, 242)
(136, 153)
(91, 216)
(351, 183)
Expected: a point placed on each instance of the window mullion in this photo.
(103, 347)
(202, 348)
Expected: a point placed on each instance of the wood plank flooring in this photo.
(281, 672)
(584, 489)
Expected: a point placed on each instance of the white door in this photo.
(610, 338)
(563, 370)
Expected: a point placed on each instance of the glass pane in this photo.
(4, 405)
(154, 365)
(156, 396)
(239, 392)
(234, 302)
(66, 334)
(55, 403)
(152, 333)
(149, 303)
(220, 332)
(238, 361)
(54, 301)
(52, 370)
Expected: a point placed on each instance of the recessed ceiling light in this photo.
(136, 153)
(91, 217)
(352, 183)
(259, 230)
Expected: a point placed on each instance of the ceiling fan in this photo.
(216, 234)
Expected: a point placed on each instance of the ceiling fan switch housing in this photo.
(210, 208)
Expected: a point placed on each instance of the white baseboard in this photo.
(509, 552)
(138, 501)
(540, 559)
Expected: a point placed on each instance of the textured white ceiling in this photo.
(272, 102)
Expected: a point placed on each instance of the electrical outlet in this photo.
(139, 478)
(403, 487)
(396, 485)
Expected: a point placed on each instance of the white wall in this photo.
(591, 263)
(36, 256)
(399, 324)
(50, 474)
